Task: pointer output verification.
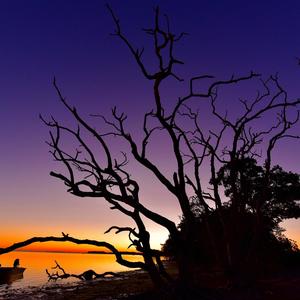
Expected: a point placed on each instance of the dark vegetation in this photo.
(274, 252)
(230, 226)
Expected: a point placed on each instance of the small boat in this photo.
(10, 274)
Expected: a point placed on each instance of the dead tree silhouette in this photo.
(192, 145)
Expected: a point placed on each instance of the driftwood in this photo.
(87, 275)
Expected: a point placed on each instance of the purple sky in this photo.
(70, 40)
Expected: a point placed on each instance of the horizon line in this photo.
(76, 252)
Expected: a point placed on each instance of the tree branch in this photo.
(67, 238)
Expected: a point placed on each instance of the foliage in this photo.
(281, 202)
(281, 198)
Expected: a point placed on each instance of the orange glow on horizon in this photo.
(119, 241)
(63, 247)
(7, 240)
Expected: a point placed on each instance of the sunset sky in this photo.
(71, 40)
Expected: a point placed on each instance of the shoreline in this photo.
(132, 282)
(137, 285)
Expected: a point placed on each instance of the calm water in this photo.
(37, 262)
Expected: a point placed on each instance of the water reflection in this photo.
(37, 262)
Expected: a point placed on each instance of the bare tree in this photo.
(108, 178)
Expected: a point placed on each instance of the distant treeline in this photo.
(121, 252)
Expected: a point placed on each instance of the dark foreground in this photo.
(136, 285)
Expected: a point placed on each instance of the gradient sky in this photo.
(71, 40)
